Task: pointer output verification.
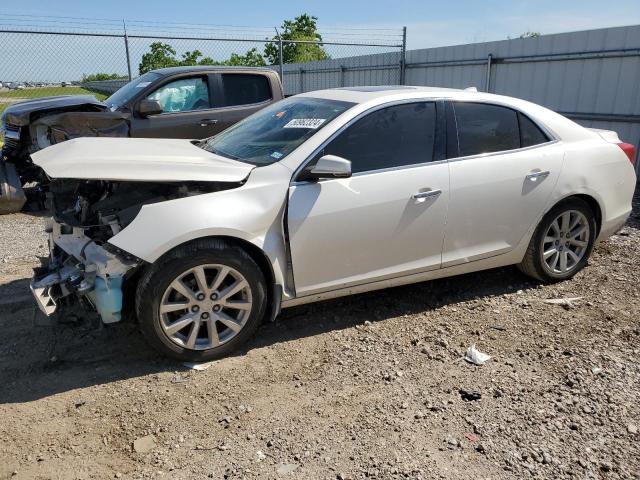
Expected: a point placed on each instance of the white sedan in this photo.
(321, 195)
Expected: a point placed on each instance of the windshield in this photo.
(128, 91)
(275, 131)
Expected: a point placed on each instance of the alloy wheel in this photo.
(205, 306)
(566, 242)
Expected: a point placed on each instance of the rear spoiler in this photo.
(607, 135)
(612, 137)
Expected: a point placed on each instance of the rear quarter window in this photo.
(530, 133)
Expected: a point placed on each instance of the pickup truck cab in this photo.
(176, 102)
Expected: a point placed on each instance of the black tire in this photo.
(157, 278)
(533, 263)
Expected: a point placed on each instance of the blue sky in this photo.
(429, 23)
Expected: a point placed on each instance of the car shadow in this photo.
(38, 359)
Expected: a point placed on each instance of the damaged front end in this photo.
(84, 271)
(81, 273)
(33, 125)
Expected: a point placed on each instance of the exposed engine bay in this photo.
(84, 270)
(103, 208)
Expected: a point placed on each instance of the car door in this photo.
(501, 179)
(188, 110)
(388, 219)
(242, 94)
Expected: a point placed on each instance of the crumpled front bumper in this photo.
(81, 271)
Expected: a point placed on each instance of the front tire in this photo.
(562, 242)
(201, 301)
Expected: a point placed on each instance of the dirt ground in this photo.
(372, 386)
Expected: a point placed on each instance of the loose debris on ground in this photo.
(372, 386)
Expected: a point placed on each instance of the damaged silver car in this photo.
(324, 194)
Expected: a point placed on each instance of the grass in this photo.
(49, 92)
(11, 96)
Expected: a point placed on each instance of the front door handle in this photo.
(534, 176)
(426, 194)
(208, 121)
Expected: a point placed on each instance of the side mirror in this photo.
(149, 107)
(330, 166)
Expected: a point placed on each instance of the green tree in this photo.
(96, 77)
(303, 27)
(530, 35)
(193, 58)
(163, 55)
(252, 58)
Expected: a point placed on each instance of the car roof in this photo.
(207, 68)
(367, 93)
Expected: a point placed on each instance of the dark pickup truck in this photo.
(175, 102)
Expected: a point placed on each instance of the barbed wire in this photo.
(158, 22)
(87, 25)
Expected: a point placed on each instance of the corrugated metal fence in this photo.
(592, 76)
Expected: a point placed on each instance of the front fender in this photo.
(253, 212)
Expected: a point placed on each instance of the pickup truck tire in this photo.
(201, 301)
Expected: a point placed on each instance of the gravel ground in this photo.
(371, 386)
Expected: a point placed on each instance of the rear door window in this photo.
(390, 137)
(245, 89)
(484, 128)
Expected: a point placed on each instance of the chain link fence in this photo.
(64, 58)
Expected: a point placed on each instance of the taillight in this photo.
(630, 151)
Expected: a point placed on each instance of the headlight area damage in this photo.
(84, 271)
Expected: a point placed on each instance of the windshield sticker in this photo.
(276, 155)
(312, 123)
(143, 84)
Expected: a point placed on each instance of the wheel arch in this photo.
(593, 203)
(274, 289)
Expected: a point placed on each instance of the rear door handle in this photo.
(534, 176)
(208, 121)
(427, 194)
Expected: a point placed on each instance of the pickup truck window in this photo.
(125, 93)
(183, 95)
(272, 133)
(245, 89)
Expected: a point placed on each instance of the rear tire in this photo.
(201, 301)
(562, 242)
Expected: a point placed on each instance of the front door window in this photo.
(184, 95)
